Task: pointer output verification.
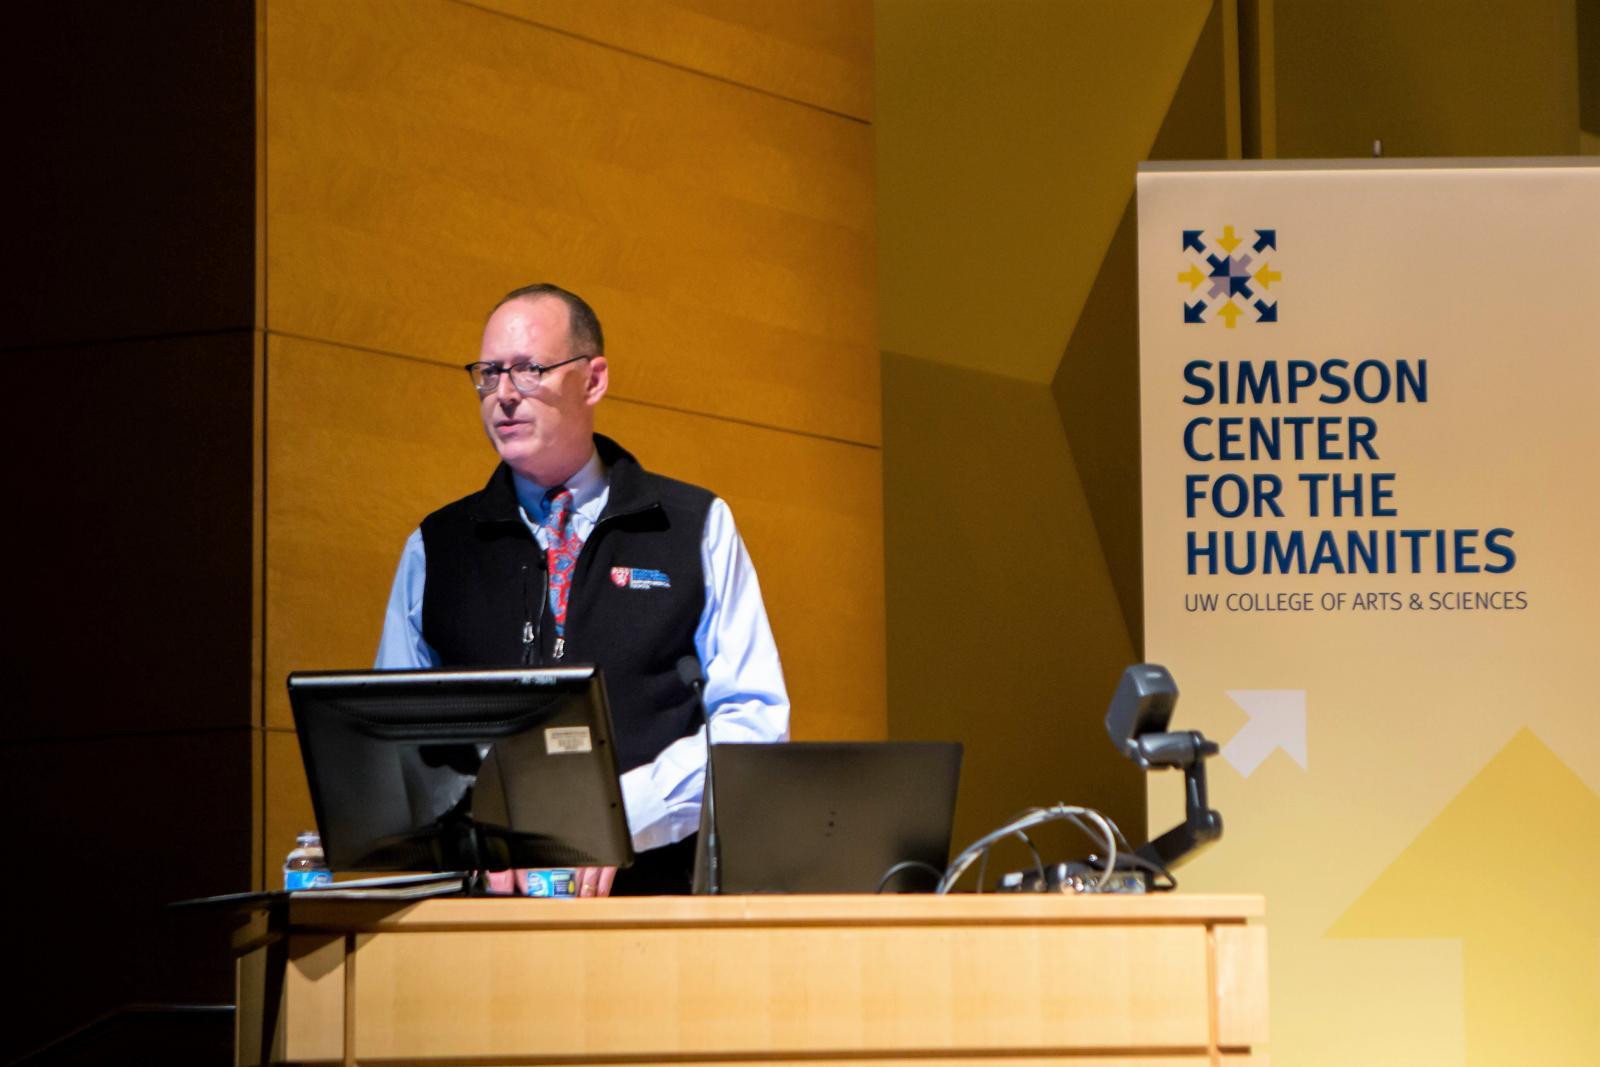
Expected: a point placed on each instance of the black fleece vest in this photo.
(637, 595)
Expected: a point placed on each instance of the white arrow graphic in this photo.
(1277, 720)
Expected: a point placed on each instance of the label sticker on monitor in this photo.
(563, 740)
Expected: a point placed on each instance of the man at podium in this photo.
(574, 553)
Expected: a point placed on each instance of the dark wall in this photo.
(131, 180)
(128, 378)
(1589, 66)
(1426, 77)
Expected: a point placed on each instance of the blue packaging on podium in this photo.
(561, 882)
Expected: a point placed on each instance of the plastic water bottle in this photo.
(306, 865)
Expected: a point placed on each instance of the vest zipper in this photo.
(531, 622)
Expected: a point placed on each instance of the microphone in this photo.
(693, 675)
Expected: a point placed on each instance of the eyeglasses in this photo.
(525, 376)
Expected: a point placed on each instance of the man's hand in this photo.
(589, 881)
(595, 881)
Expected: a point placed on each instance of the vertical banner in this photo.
(1371, 432)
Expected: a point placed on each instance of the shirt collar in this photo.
(588, 487)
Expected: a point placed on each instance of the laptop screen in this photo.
(831, 817)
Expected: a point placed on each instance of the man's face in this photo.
(545, 435)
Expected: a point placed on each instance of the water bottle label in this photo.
(293, 880)
(561, 882)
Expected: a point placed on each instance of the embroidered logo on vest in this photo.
(639, 578)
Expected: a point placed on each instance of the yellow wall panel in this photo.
(423, 158)
(360, 446)
(816, 51)
(1007, 139)
(1005, 629)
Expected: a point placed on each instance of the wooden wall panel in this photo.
(683, 166)
(815, 51)
(361, 445)
(423, 158)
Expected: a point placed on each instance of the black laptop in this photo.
(831, 817)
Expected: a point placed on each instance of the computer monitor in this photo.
(445, 770)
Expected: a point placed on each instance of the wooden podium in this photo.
(1161, 980)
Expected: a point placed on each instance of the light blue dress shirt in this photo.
(744, 694)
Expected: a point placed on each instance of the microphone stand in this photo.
(694, 677)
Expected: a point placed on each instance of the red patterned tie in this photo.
(561, 555)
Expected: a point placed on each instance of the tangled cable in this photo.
(1104, 829)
